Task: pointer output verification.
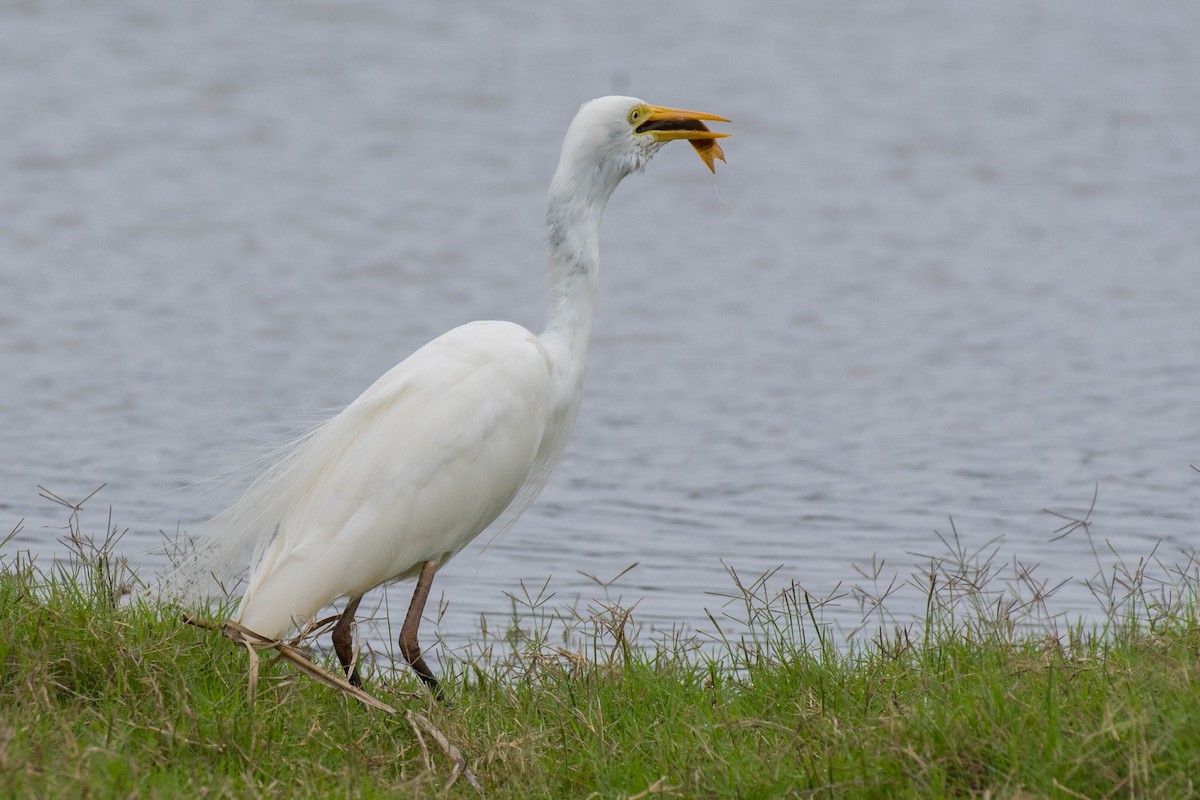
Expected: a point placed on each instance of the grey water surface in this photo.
(951, 270)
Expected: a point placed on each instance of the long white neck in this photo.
(578, 194)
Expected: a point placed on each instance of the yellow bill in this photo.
(668, 124)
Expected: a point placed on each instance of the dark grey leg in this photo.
(343, 640)
(409, 647)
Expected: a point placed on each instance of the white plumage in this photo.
(410, 472)
(463, 432)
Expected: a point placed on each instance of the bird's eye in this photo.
(634, 115)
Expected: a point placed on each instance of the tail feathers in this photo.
(212, 562)
(286, 596)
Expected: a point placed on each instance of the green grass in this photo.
(110, 696)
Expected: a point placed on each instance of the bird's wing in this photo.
(412, 470)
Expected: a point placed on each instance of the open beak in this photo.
(668, 124)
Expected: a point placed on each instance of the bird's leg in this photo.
(408, 634)
(343, 640)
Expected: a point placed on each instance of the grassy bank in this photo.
(103, 696)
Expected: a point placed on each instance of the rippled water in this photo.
(951, 270)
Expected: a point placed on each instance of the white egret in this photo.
(460, 435)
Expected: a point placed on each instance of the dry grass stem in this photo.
(453, 753)
(253, 641)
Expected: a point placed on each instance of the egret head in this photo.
(624, 133)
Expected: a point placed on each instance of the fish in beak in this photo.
(668, 124)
